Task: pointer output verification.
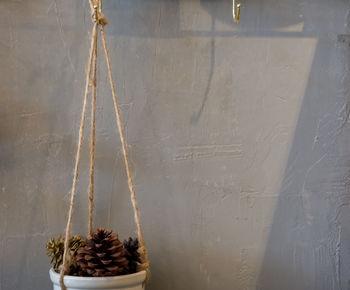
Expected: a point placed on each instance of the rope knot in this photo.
(99, 18)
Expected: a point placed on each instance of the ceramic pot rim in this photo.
(99, 282)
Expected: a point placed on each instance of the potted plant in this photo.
(100, 261)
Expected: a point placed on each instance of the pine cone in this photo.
(103, 255)
(55, 250)
(132, 254)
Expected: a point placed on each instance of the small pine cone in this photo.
(132, 254)
(55, 250)
(103, 255)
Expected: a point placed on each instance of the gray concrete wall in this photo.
(238, 137)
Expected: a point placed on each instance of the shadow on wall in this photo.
(307, 247)
(307, 244)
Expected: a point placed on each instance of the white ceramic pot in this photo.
(124, 282)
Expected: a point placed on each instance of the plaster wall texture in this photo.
(238, 136)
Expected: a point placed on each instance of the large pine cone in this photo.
(132, 254)
(103, 255)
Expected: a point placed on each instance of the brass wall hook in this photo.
(98, 11)
(236, 11)
(100, 6)
(95, 12)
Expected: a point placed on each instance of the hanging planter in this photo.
(99, 261)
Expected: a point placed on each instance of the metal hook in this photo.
(97, 9)
(236, 11)
(95, 15)
(95, 12)
(100, 6)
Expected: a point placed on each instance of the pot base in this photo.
(124, 282)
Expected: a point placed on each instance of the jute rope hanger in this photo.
(100, 21)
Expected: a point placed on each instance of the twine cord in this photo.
(93, 138)
(77, 160)
(142, 250)
(99, 19)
